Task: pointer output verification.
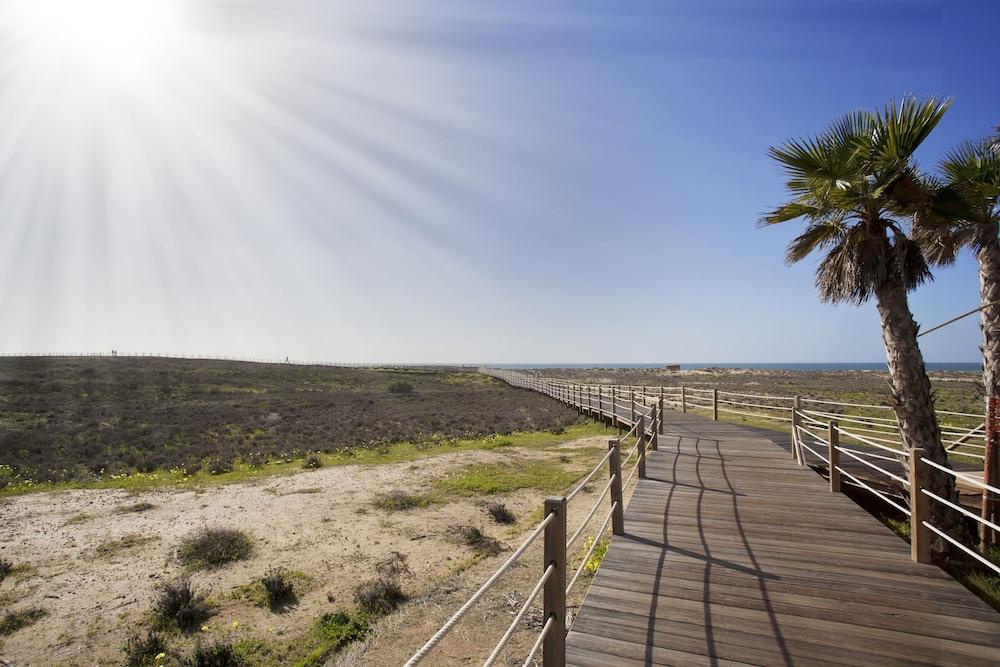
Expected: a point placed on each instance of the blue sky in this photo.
(445, 181)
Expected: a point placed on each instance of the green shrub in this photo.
(401, 387)
(214, 547)
(218, 654)
(379, 596)
(500, 513)
(335, 631)
(312, 461)
(13, 621)
(398, 501)
(278, 586)
(6, 567)
(141, 651)
(180, 606)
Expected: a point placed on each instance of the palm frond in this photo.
(900, 128)
(818, 236)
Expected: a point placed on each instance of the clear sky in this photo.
(450, 181)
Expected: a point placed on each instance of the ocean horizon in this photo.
(953, 366)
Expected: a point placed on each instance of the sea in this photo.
(812, 366)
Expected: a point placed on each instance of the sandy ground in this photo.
(321, 523)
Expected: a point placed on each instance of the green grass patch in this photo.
(493, 478)
(400, 501)
(401, 452)
(333, 632)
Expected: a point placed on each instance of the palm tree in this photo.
(964, 214)
(856, 187)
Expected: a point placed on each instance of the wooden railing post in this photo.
(554, 595)
(631, 400)
(641, 433)
(796, 423)
(654, 442)
(659, 413)
(684, 400)
(715, 404)
(614, 411)
(615, 472)
(833, 442)
(920, 535)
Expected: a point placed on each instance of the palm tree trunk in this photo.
(989, 292)
(914, 404)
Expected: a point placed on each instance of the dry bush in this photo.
(500, 513)
(180, 606)
(213, 547)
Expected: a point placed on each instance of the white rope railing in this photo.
(546, 629)
(593, 511)
(593, 547)
(463, 610)
(520, 615)
(589, 477)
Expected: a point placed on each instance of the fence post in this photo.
(796, 423)
(654, 443)
(631, 400)
(684, 400)
(615, 470)
(641, 433)
(715, 404)
(920, 536)
(614, 411)
(833, 441)
(659, 413)
(554, 602)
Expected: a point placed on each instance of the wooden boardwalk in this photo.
(734, 555)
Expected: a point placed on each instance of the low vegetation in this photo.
(214, 547)
(124, 543)
(496, 478)
(399, 501)
(6, 567)
(379, 596)
(214, 654)
(474, 538)
(14, 620)
(278, 587)
(142, 650)
(332, 632)
(594, 561)
(179, 606)
(102, 420)
(136, 507)
(500, 513)
(401, 387)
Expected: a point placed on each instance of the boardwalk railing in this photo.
(827, 431)
(561, 574)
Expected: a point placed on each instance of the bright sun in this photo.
(107, 38)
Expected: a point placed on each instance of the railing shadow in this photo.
(706, 452)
